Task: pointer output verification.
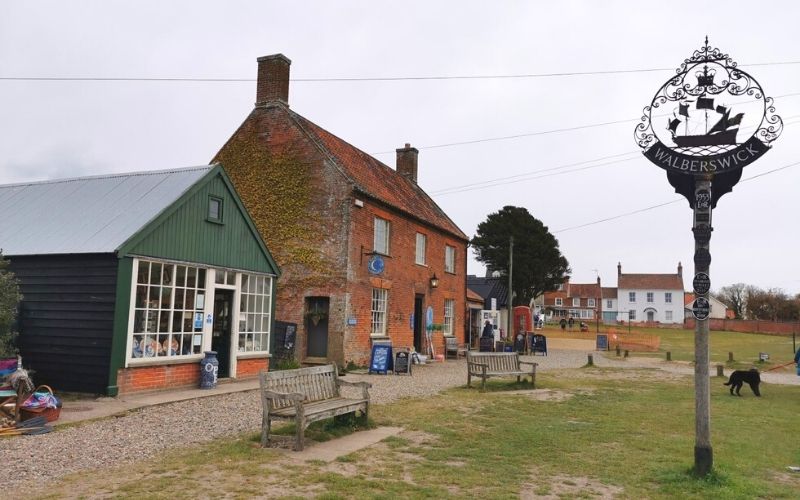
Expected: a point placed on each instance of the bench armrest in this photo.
(480, 366)
(365, 386)
(534, 365)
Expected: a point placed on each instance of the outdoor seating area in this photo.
(306, 395)
(485, 365)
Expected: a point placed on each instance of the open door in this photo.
(221, 330)
(317, 326)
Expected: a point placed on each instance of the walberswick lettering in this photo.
(674, 161)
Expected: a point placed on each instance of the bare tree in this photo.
(735, 297)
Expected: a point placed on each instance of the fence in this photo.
(748, 326)
(633, 341)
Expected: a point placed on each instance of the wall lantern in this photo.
(434, 281)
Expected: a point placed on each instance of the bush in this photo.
(9, 300)
(284, 364)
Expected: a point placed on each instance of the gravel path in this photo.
(146, 432)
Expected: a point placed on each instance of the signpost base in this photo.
(703, 460)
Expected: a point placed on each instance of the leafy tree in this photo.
(9, 299)
(735, 297)
(538, 265)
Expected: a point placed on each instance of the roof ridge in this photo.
(108, 176)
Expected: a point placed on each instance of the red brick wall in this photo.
(151, 378)
(748, 326)
(403, 279)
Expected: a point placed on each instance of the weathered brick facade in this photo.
(314, 198)
(151, 378)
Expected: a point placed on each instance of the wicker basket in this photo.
(50, 414)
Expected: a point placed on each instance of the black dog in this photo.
(739, 377)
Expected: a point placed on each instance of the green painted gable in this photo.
(183, 232)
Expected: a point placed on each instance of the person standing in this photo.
(571, 322)
(797, 361)
(488, 331)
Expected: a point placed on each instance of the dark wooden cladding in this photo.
(66, 318)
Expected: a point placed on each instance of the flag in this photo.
(683, 109)
(705, 103)
(722, 110)
(736, 120)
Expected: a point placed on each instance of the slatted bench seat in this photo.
(306, 395)
(497, 364)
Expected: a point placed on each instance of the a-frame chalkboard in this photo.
(381, 359)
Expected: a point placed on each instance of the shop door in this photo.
(419, 317)
(221, 330)
(317, 326)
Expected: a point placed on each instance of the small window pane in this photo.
(144, 272)
(180, 277)
(155, 273)
(201, 279)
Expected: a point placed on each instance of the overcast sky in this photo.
(55, 129)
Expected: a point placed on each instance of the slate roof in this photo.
(87, 214)
(609, 293)
(473, 297)
(377, 179)
(489, 288)
(650, 281)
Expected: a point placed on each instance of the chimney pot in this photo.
(407, 162)
(273, 79)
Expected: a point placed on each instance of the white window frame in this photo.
(449, 259)
(668, 297)
(576, 301)
(381, 236)
(379, 308)
(667, 315)
(589, 302)
(651, 297)
(162, 340)
(422, 244)
(609, 304)
(632, 297)
(255, 313)
(449, 308)
(632, 315)
(559, 301)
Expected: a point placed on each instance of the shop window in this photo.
(169, 301)
(255, 313)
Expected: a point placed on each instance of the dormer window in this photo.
(214, 209)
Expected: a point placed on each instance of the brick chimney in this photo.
(407, 162)
(273, 79)
(619, 269)
(680, 270)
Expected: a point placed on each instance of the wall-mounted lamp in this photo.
(434, 281)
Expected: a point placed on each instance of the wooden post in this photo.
(617, 349)
(669, 356)
(703, 453)
(730, 357)
(626, 353)
(719, 371)
(591, 361)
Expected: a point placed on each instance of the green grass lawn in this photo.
(744, 346)
(622, 433)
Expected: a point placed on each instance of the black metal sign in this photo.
(701, 283)
(701, 308)
(697, 123)
(702, 258)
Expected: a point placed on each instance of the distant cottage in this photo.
(128, 278)
(367, 256)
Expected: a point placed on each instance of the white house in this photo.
(652, 298)
(609, 305)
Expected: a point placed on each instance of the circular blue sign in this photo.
(375, 265)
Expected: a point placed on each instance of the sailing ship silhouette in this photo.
(723, 132)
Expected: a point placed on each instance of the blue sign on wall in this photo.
(429, 317)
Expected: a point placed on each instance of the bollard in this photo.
(730, 357)
(591, 360)
(669, 356)
(719, 371)
(626, 353)
(617, 350)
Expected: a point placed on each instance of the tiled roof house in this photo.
(359, 242)
(651, 298)
(578, 300)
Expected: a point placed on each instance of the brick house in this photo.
(578, 300)
(360, 243)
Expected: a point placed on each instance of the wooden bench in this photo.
(497, 364)
(306, 395)
(453, 348)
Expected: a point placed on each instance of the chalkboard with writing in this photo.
(402, 362)
(381, 359)
(602, 342)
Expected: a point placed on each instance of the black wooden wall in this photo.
(66, 318)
